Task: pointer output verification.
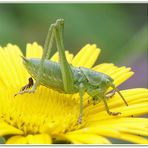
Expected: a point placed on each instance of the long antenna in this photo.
(117, 90)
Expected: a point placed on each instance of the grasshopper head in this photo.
(106, 82)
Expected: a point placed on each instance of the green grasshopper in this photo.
(65, 78)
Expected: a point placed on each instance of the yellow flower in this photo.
(48, 116)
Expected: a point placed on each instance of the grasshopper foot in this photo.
(80, 119)
(24, 89)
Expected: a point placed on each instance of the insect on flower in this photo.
(65, 78)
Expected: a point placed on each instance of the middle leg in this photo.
(107, 108)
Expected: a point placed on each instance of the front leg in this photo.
(110, 95)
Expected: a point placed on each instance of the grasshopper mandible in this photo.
(64, 77)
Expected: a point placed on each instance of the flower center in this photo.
(45, 111)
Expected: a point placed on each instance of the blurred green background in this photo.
(120, 30)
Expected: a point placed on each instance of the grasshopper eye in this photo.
(107, 81)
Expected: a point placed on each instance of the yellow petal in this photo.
(132, 138)
(134, 91)
(6, 129)
(39, 139)
(11, 64)
(105, 67)
(69, 57)
(132, 96)
(17, 140)
(122, 78)
(34, 50)
(104, 131)
(135, 131)
(118, 128)
(118, 134)
(113, 128)
(122, 122)
(46, 108)
(87, 138)
(116, 104)
(136, 110)
(87, 56)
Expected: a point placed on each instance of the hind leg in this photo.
(46, 53)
